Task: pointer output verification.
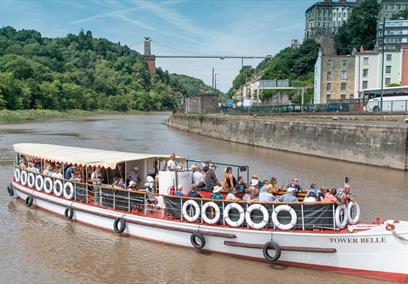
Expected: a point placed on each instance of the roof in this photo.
(80, 156)
(333, 4)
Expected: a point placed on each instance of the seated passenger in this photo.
(294, 183)
(150, 193)
(273, 184)
(134, 176)
(290, 196)
(247, 195)
(330, 196)
(121, 183)
(255, 181)
(47, 171)
(179, 191)
(265, 195)
(216, 193)
(232, 195)
(241, 186)
(194, 193)
(311, 198)
(57, 173)
(254, 189)
(313, 189)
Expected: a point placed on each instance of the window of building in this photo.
(365, 72)
(324, 24)
(389, 57)
(344, 62)
(329, 76)
(328, 97)
(329, 87)
(365, 60)
(388, 69)
(318, 24)
(387, 80)
(329, 63)
(343, 97)
(343, 75)
(343, 87)
(334, 14)
(365, 85)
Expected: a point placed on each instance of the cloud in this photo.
(104, 15)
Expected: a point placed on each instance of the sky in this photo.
(176, 27)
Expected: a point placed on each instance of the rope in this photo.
(399, 236)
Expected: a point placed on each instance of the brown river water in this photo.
(37, 247)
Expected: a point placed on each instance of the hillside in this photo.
(79, 72)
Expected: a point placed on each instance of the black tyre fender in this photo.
(119, 225)
(10, 190)
(197, 240)
(275, 247)
(69, 213)
(376, 109)
(29, 201)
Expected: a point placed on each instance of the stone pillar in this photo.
(148, 57)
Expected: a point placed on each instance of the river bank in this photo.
(378, 142)
(16, 116)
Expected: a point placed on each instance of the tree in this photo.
(403, 14)
(360, 29)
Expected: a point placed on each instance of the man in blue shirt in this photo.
(315, 190)
(290, 196)
(69, 173)
(294, 183)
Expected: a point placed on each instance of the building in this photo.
(325, 17)
(203, 103)
(391, 7)
(294, 43)
(396, 34)
(334, 78)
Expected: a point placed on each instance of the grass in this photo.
(15, 116)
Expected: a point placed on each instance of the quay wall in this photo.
(367, 142)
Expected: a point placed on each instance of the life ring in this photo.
(216, 208)
(69, 213)
(227, 218)
(119, 225)
(341, 224)
(196, 208)
(39, 183)
(353, 205)
(48, 185)
(275, 247)
(292, 213)
(265, 218)
(29, 201)
(390, 227)
(17, 174)
(23, 179)
(197, 240)
(68, 190)
(10, 190)
(58, 188)
(30, 180)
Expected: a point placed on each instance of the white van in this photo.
(390, 104)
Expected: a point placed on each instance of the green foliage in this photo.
(392, 85)
(401, 14)
(81, 72)
(360, 29)
(240, 79)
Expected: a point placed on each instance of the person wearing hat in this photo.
(134, 176)
(290, 196)
(216, 193)
(254, 188)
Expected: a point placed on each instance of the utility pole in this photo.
(382, 67)
(215, 80)
(212, 78)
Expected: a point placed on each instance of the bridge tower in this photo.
(148, 57)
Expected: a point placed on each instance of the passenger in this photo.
(210, 178)
(47, 171)
(121, 183)
(232, 195)
(69, 172)
(229, 179)
(172, 163)
(290, 196)
(247, 195)
(57, 173)
(96, 179)
(254, 189)
(216, 193)
(179, 191)
(134, 176)
(312, 197)
(198, 176)
(241, 186)
(255, 179)
(150, 181)
(265, 195)
(151, 199)
(294, 183)
(313, 189)
(194, 193)
(330, 196)
(273, 184)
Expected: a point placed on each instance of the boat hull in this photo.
(369, 251)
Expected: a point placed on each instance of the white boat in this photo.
(318, 235)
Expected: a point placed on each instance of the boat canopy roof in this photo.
(81, 156)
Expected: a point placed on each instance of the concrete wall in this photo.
(360, 142)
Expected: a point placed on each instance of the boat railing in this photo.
(309, 216)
